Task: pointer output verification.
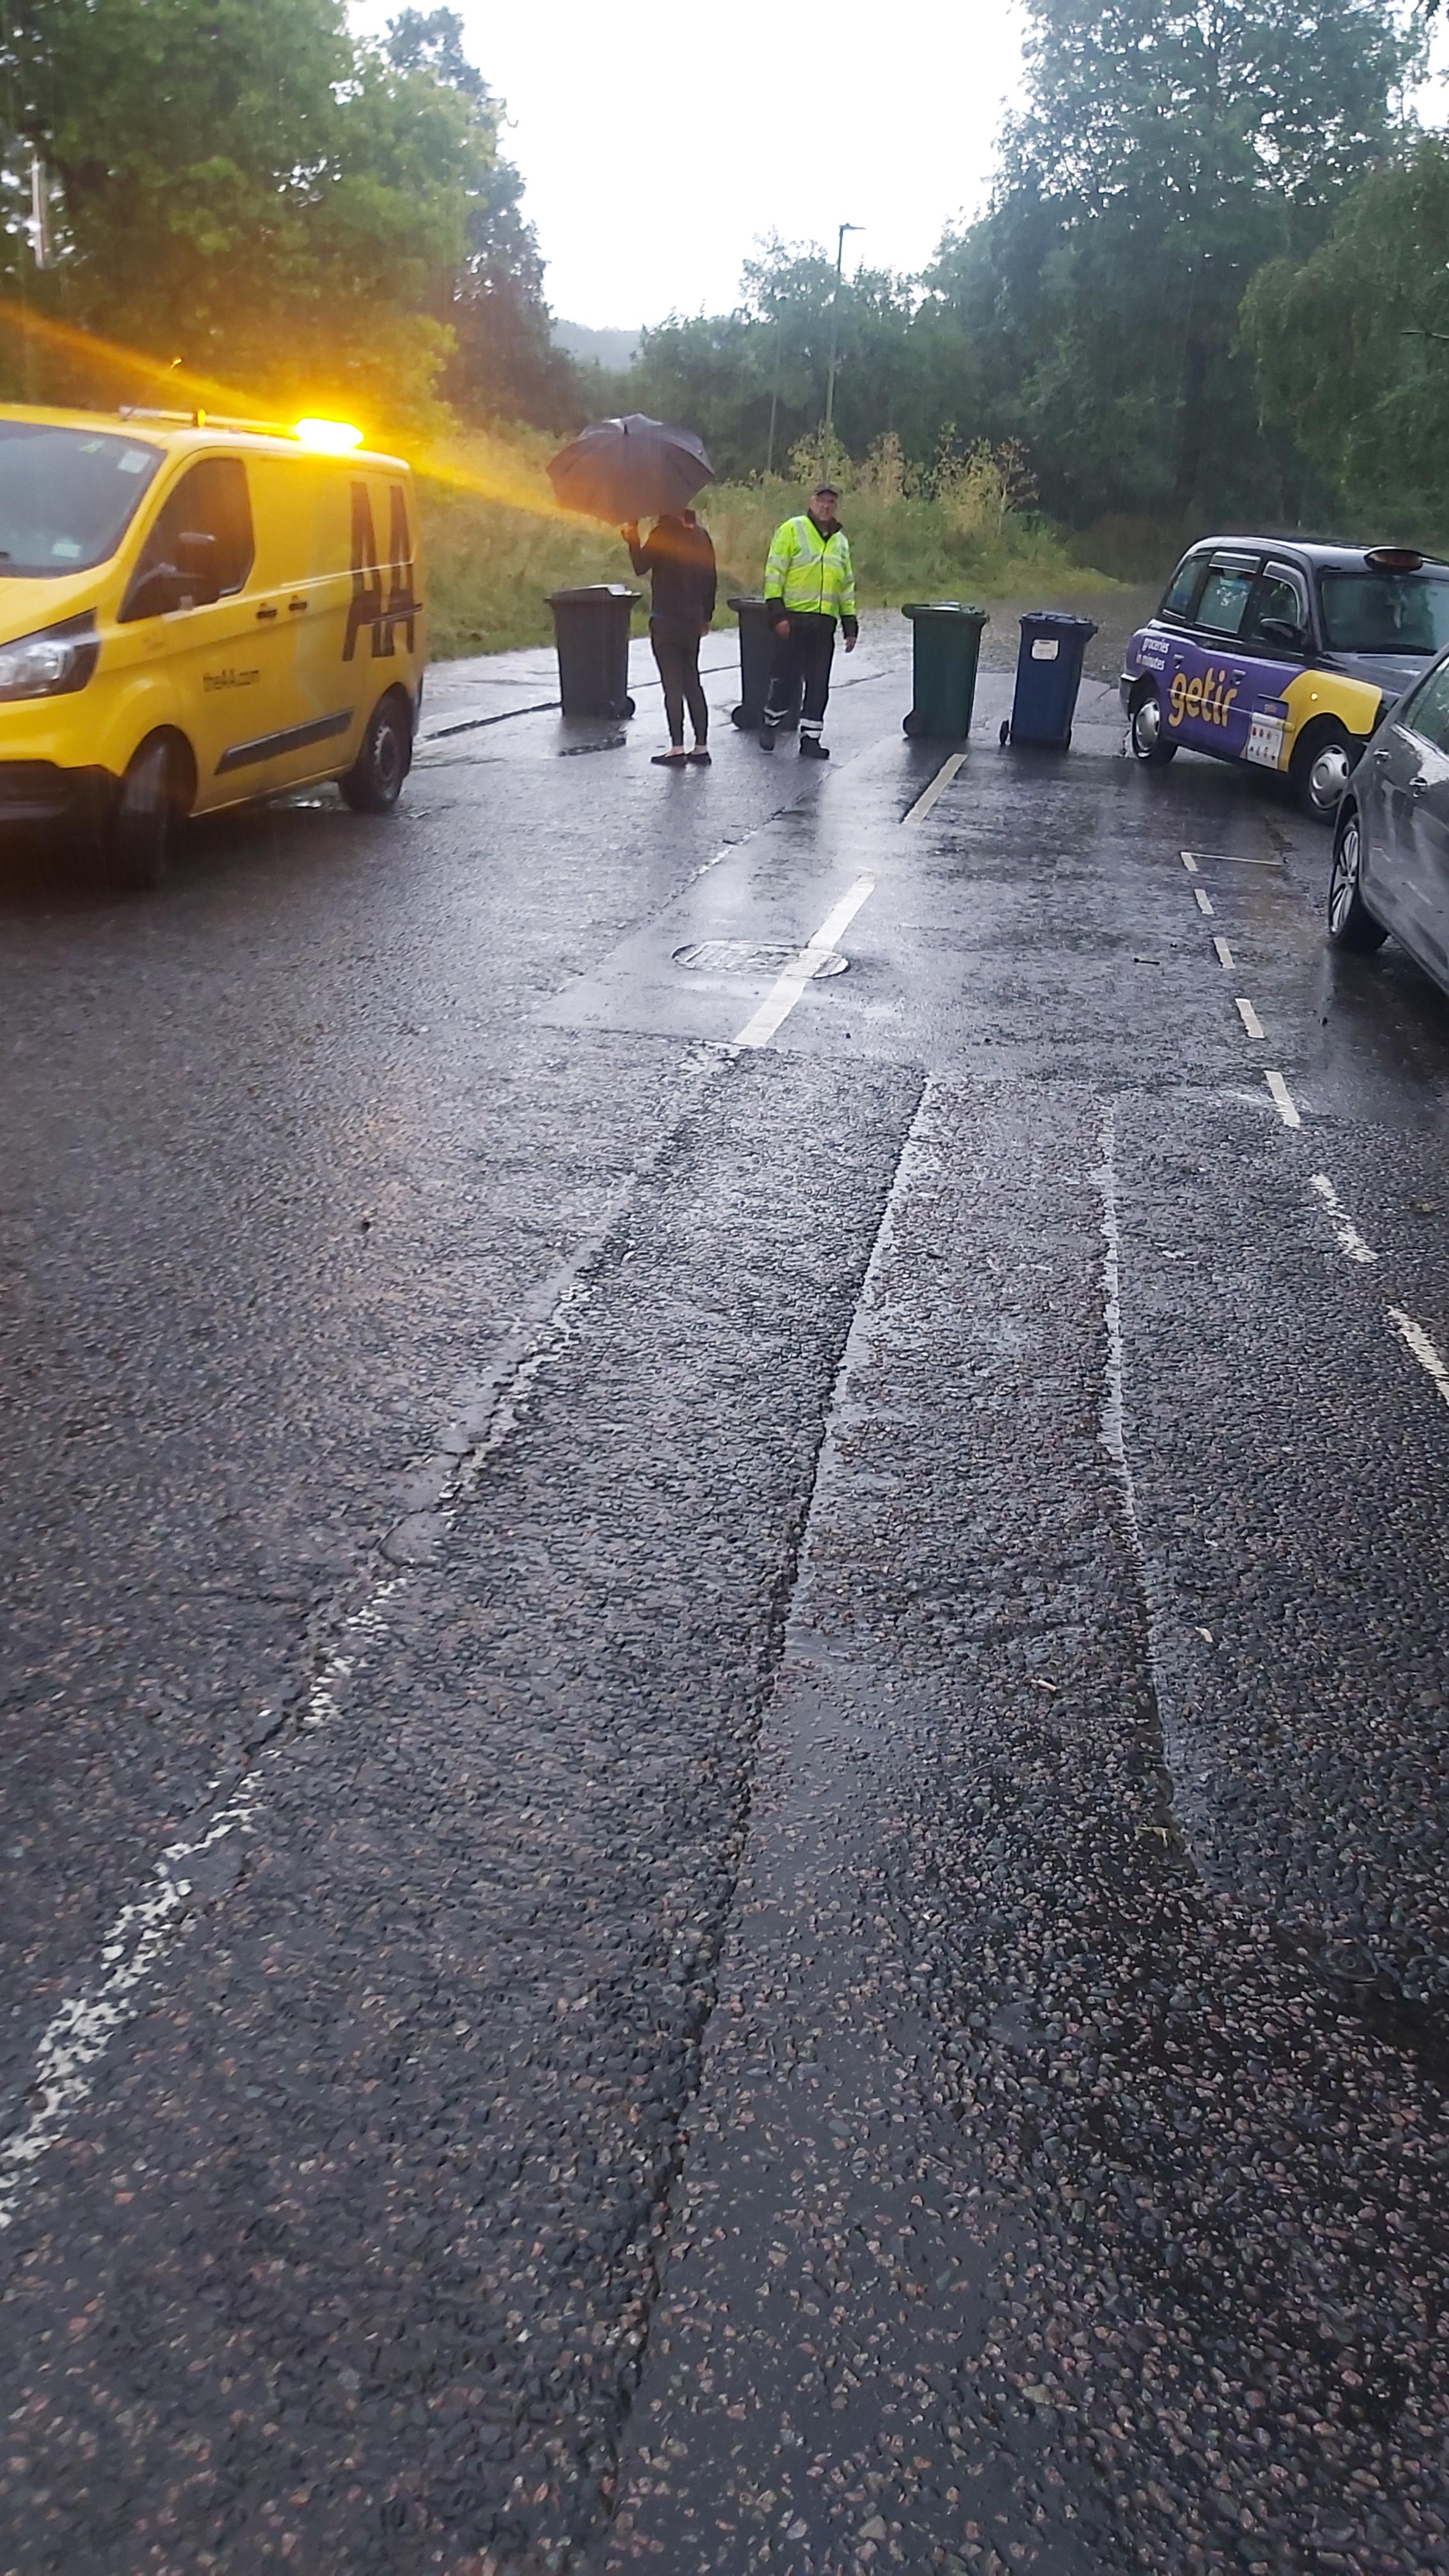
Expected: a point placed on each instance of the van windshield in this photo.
(67, 496)
(1385, 612)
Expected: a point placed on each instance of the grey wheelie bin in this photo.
(1048, 676)
(591, 630)
(945, 650)
(757, 654)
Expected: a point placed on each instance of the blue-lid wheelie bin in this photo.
(591, 630)
(757, 659)
(945, 649)
(1048, 676)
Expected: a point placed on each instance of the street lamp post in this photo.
(835, 330)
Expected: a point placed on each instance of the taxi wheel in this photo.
(1350, 923)
(1320, 770)
(1150, 744)
(375, 781)
(150, 804)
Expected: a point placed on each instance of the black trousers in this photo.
(802, 661)
(676, 650)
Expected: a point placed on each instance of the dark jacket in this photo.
(679, 559)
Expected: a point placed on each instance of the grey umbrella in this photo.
(634, 468)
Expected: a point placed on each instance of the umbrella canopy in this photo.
(634, 468)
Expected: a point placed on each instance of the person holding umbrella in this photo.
(679, 560)
(809, 585)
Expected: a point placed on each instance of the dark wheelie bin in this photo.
(591, 630)
(945, 650)
(1048, 676)
(757, 653)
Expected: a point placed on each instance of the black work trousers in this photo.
(802, 661)
(676, 650)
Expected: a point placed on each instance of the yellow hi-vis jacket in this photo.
(809, 572)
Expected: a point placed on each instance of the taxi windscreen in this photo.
(67, 496)
(1384, 612)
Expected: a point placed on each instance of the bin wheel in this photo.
(911, 723)
(624, 708)
(741, 716)
(1004, 736)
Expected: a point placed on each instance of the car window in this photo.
(1226, 593)
(1182, 589)
(1385, 612)
(210, 500)
(1427, 711)
(67, 496)
(1278, 595)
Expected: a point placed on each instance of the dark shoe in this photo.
(767, 738)
(699, 756)
(669, 759)
(811, 748)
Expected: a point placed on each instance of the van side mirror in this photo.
(192, 581)
(1282, 630)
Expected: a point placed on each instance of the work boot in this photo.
(767, 738)
(812, 748)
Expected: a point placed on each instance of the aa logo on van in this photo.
(369, 609)
(1204, 699)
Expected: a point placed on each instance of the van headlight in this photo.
(52, 662)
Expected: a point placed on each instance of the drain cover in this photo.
(749, 957)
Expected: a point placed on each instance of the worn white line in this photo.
(1283, 1100)
(1188, 861)
(1226, 859)
(780, 1001)
(937, 787)
(1423, 1349)
(1224, 953)
(1249, 1017)
(1350, 1241)
(1202, 902)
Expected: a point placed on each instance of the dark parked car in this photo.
(1283, 654)
(1391, 840)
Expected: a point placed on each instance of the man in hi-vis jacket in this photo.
(809, 584)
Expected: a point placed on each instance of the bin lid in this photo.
(594, 590)
(750, 599)
(944, 608)
(1058, 621)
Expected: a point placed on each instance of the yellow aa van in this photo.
(195, 612)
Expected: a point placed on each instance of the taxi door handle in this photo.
(263, 614)
(1381, 760)
(296, 607)
(1418, 787)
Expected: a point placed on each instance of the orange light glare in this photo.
(329, 437)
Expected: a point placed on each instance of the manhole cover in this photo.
(749, 957)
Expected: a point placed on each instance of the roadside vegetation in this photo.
(1210, 288)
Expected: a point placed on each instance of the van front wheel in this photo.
(375, 781)
(150, 803)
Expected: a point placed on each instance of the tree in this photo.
(1166, 150)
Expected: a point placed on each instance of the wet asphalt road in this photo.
(723, 1837)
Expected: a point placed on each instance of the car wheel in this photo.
(1350, 923)
(1150, 743)
(1320, 770)
(375, 781)
(150, 803)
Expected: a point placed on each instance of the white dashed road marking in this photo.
(786, 992)
(1249, 1017)
(1423, 1349)
(1283, 1100)
(1224, 953)
(1188, 861)
(937, 787)
(1202, 902)
(1350, 1241)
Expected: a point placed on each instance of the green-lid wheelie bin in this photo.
(591, 629)
(945, 650)
(757, 658)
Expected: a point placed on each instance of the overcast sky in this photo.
(654, 159)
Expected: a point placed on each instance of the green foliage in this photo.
(1352, 347)
(245, 189)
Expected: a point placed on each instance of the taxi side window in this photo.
(1427, 713)
(1183, 587)
(1226, 593)
(1279, 597)
(211, 500)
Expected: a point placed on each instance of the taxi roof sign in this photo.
(1395, 558)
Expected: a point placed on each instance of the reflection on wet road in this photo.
(725, 1706)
